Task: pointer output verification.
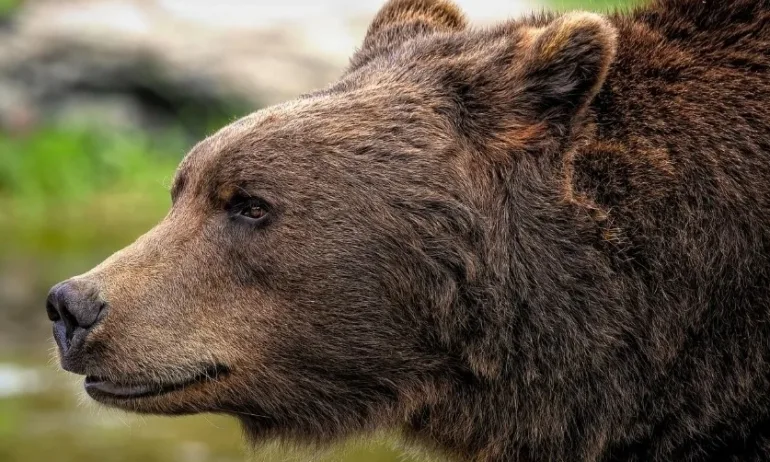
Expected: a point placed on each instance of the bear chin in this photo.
(182, 395)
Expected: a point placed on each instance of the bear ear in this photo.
(564, 66)
(401, 20)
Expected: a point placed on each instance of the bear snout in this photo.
(75, 308)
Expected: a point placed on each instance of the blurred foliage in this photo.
(7, 7)
(63, 187)
(600, 6)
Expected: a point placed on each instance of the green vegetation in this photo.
(600, 6)
(8, 6)
(76, 188)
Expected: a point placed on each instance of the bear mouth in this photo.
(100, 387)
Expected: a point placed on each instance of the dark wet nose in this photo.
(74, 308)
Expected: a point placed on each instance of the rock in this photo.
(151, 63)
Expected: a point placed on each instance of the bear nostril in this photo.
(61, 335)
(70, 323)
(52, 310)
(73, 306)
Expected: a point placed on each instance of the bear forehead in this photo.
(330, 131)
(398, 101)
(327, 123)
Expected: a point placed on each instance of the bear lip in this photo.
(101, 387)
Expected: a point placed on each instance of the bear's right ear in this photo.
(562, 68)
(401, 20)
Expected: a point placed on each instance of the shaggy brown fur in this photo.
(544, 241)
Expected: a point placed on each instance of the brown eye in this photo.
(249, 209)
(253, 211)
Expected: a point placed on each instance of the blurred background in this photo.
(99, 100)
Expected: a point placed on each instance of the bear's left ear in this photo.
(563, 67)
(402, 20)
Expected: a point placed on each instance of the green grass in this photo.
(8, 6)
(593, 5)
(76, 188)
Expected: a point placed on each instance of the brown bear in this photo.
(547, 240)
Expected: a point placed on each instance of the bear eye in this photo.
(253, 211)
(250, 209)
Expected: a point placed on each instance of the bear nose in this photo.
(74, 308)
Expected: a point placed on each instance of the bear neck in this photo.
(602, 348)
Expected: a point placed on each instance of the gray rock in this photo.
(150, 63)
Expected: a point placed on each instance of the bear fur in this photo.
(547, 240)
